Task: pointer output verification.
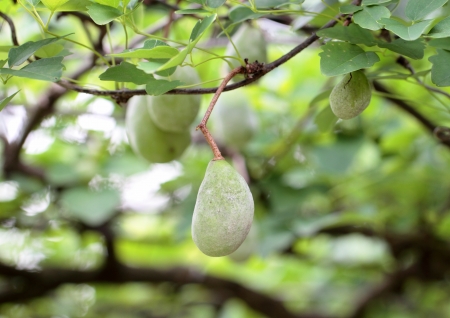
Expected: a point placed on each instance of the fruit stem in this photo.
(202, 125)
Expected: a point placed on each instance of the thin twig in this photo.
(430, 126)
(12, 27)
(202, 125)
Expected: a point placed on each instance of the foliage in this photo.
(351, 216)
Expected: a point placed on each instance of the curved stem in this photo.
(202, 125)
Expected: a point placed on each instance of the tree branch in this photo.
(430, 126)
(12, 28)
(36, 284)
(126, 94)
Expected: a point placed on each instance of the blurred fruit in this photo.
(175, 113)
(234, 121)
(147, 140)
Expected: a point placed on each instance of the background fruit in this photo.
(250, 43)
(351, 96)
(234, 120)
(147, 140)
(223, 211)
(175, 113)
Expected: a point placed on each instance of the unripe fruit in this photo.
(250, 43)
(351, 96)
(175, 113)
(148, 140)
(223, 211)
(233, 119)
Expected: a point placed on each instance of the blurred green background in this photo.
(351, 217)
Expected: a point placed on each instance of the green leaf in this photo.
(196, 34)
(49, 50)
(201, 26)
(102, 14)
(33, 3)
(49, 69)
(215, 3)
(111, 3)
(3, 62)
(53, 4)
(413, 49)
(20, 54)
(441, 30)
(152, 43)
(152, 66)
(368, 17)
(352, 33)
(408, 33)
(349, 9)
(191, 11)
(126, 72)
(240, 14)
(74, 5)
(419, 9)
(341, 58)
(92, 208)
(160, 52)
(440, 71)
(6, 100)
(325, 119)
(440, 43)
(374, 2)
(261, 4)
(158, 87)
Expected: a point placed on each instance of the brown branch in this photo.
(202, 125)
(37, 284)
(12, 28)
(430, 126)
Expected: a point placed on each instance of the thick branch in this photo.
(37, 284)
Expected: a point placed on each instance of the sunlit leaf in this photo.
(49, 69)
(102, 14)
(441, 30)
(126, 72)
(368, 17)
(406, 32)
(53, 4)
(20, 54)
(158, 87)
(413, 49)
(6, 100)
(440, 71)
(419, 9)
(160, 52)
(352, 33)
(341, 58)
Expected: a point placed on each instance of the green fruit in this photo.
(248, 247)
(351, 96)
(233, 119)
(223, 212)
(251, 45)
(147, 140)
(175, 113)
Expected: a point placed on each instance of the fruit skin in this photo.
(223, 212)
(250, 43)
(233, 119)
(147, 140)
(175, 113)
(351, 96)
